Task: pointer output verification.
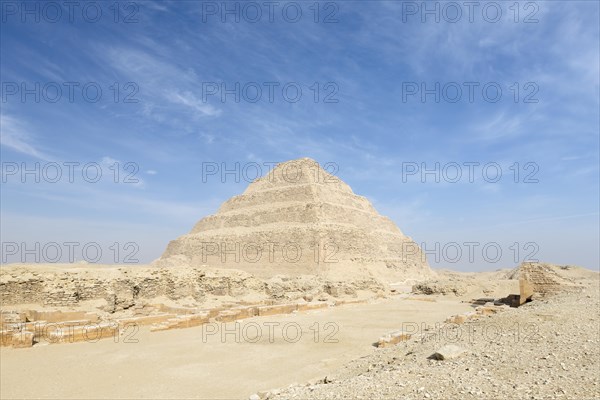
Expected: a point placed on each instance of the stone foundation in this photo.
(18, 330)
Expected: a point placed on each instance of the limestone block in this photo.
(59, 316)
(344, 302)
(448, 352)
(279, 309)
(312, 306)
(145, 320)
(228, 316)
(82, 333)
(180, 322)
(525, 290)
(213, 312)
(457, 319)
(159, 327)
(241, 313)
(22, 339)
(393, 338)
(488, 310)
(198, 319)
(11, 317)
(6, 337)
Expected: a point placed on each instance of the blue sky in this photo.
(366, 57)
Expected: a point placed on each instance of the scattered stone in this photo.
(483, 300)
(448, 352)
(457, 319)
(393, 338)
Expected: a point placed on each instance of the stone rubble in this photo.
(545, 349)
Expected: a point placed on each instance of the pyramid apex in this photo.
(298, 163)
(300, 160)
(300, 171)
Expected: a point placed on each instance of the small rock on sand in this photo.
(448, 352)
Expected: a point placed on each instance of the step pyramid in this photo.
(300, 220)
(544, 278)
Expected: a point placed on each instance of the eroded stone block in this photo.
(393, 338)
(312, 306)
(22, 339)
(448, 352)
(525, 290)
(279, 309)
(457, 319)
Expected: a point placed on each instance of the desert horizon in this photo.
(299, 200)
(301, 274)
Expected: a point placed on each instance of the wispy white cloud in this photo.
(189, 100)
(369, 134)
(167, 90)
(113, 199)
(498, 126)
(16, 136)
(108, 161)
(156, 5)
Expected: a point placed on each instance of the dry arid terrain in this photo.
(314, 199)
(547, 348)
(354, 311)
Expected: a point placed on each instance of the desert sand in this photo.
(179, 364)
(343, 305)
(546, 348)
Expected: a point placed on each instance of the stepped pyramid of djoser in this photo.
(299, 220)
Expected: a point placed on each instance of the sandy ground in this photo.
(184, 364)
(545, 349)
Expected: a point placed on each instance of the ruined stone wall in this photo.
(120, 287)
(123, 287)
